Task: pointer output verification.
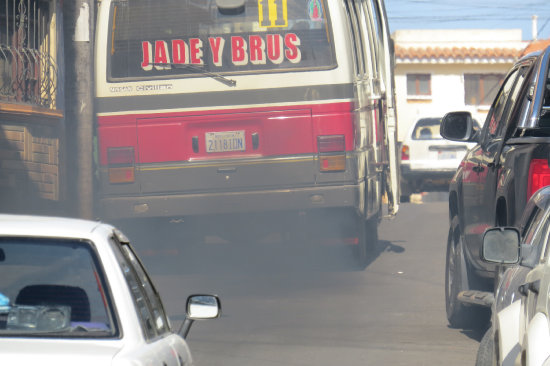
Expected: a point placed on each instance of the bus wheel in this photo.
(367, 234)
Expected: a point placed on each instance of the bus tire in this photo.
(367, 234)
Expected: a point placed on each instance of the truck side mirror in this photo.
(458, 126)
(501, 245)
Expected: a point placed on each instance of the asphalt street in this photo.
(291, 303)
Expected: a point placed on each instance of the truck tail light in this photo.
(539, 176)
(121, 164)
(332, 153)
(405, 152)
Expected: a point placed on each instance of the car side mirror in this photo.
(501, 245)
(458, 126)
(200, 307)
(203, 307)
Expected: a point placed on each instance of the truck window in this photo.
(495, 121)
(544, 120)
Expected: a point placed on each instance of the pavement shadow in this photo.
(387, 246)
(479, 326)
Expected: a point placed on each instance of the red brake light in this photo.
(331, 143)
(405, 152)
(335, 146)
(539, 176)
(121, 164)
(120, 155)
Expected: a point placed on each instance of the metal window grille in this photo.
(28, 71)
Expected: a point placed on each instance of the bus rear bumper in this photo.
(341, 196)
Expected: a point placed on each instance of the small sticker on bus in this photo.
(315, 10)
(272, 13)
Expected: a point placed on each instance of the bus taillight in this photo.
(332, 153)
(121, 164)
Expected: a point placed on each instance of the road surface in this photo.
(288, 303)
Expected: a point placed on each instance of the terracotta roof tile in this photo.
(456, 53)
(535, 46)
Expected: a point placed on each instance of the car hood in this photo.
(58, 352)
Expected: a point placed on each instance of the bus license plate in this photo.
(225, 141)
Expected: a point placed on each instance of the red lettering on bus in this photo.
(275, 48)
(292, 53)
(180, 51)
(161, 55)
(147, 51)
(239, 56)
(257, 50)
(216, 45)
(195, 44)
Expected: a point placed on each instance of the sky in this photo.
(470, 14)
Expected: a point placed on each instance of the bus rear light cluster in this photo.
(332, 153)
(121, 164)
(331, 143)
(539, 176)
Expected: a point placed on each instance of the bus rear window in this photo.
(175, 38)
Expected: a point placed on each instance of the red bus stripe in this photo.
(282, 130)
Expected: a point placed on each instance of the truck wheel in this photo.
(486, 350)
(459, 315)
(367, 234)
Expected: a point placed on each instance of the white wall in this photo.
(447, 92)
(447, 82)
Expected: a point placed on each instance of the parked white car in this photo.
(520, 313)
(428, 160)
(73, 292)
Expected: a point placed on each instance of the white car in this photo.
(427, 159)
(73, 292)
(520, 330)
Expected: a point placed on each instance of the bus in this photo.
(247, 106)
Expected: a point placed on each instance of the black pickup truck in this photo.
(495, 180)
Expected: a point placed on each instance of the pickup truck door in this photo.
(480, 209)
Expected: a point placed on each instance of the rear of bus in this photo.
(226, 106)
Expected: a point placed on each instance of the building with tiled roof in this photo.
(535, 46)
(455, 54)
(438, 71)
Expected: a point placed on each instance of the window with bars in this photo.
(28, 70)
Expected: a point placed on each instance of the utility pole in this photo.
(78, 19)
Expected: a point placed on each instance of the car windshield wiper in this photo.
(222, 79)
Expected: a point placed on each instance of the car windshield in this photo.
(52, 287)
(189, 37)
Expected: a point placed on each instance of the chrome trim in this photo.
(313, 93)
(543, 64)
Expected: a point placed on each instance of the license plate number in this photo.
(225, 141)
(446, 155)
